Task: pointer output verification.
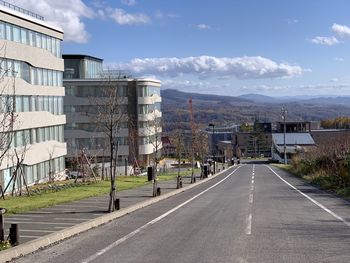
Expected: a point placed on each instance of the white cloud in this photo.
(67, 14)
(292, 21)
(329, 41)
(341, 30)
(203, 27)
(338, 59)
(124, 18)
(128, 2)
(208, 66)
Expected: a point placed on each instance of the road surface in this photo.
(250, 213)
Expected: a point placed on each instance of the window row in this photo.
(148, 91)
(93, 109)
(96, 91)
(91, 127)
(35, 173)
(37, 135)
(93, 143)
(34, 76)
(52, 104)
(28, 37)
(146, 108)
(149, 139)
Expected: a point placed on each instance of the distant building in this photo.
(83, 80)
(30, 59)
(295, 143)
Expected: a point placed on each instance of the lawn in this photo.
(67, 191)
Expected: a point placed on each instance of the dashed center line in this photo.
(251, 200)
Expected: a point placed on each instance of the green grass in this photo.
(319, 179)
(48, 198)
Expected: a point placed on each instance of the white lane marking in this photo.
(133, 233)
(252, 181)
(252, 188)
(313, 200)
(249, 224)
(30, 236)
(251, 198)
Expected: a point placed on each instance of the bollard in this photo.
(158, 191)
(117, 204)
(14, 235)
(2, 230)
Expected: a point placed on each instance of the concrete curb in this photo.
(34, 245)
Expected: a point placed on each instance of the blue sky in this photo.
(233, 47)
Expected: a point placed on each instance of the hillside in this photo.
(227, 110)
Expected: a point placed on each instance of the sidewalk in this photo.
(41, 222)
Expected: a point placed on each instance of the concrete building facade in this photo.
(139, 133)
(31, 73)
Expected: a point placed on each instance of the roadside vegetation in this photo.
(50, 194)
(327, 167)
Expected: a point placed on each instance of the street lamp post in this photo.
(212, 145)
(284, 114)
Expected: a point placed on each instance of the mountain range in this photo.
(228, 110)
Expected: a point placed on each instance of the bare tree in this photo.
(7, 104)
(176, 139)
(108, 112)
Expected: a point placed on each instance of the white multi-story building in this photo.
(139, 134)
(30, 61)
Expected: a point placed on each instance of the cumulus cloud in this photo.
(128, 2)
(67, 14)
(329, 41)
(121, 17)
(203, 27)
(341, 30)
(208, 66)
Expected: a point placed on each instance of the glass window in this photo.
(24, 36)
(18, 105)
(48, 40)
(2, 30)
(17, 69)
(38, 39)
(43, 39)
(49, 77)
(33, 106)
(8, 32)
(45, 80)
(9, 68)
(31, 38)
(16, 34)
(39, 72)
(58, 48)
(54, 78)
(25, 103)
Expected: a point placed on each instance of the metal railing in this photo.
(19, 9)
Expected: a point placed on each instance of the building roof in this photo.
(299, 138)
(80, 56)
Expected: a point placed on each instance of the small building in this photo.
(294, 142)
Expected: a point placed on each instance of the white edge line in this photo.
(313, 200)
(131, 234)
(249, 225)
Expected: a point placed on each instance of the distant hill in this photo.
(228, 110)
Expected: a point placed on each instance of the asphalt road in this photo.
(250, 213)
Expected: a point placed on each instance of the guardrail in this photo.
(22, 10)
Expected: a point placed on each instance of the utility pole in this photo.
(284, 114)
